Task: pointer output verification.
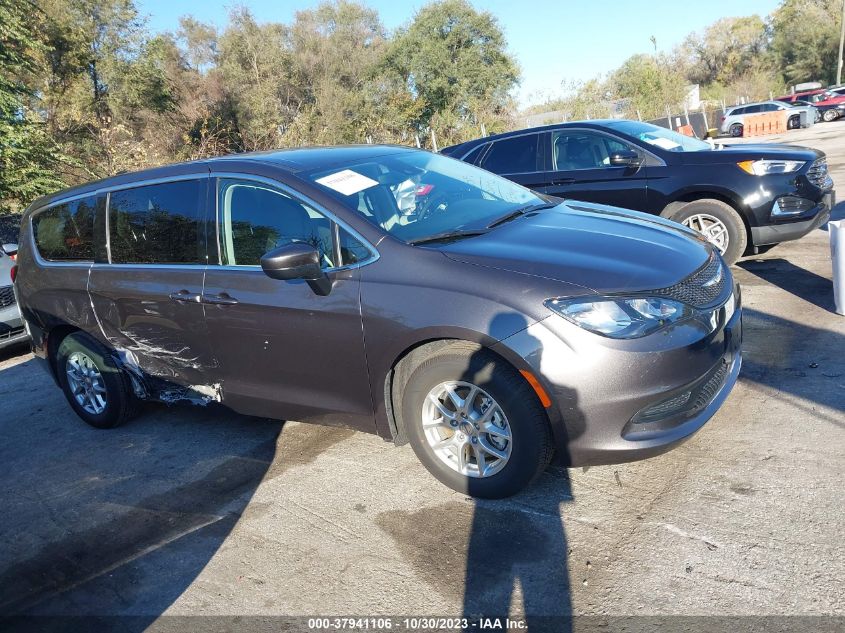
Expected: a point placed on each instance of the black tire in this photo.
(736, 130)
(793, 123)
(121, 404)
(830, 115)
(532, 448)
(737, 235)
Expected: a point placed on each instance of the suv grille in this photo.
(702, 288)
(819, 175)
(7, 296)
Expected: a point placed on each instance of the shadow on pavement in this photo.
(795, 280)
(121, 522)
(795, 359)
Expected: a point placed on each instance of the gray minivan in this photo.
(390, 290)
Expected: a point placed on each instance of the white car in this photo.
(732, 121)
(11, 324)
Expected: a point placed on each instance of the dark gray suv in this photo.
(390, 290)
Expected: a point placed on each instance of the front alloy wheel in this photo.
(466, 429)
(712, 228)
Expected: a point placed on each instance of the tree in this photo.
(648, 84)
(805, 39)
(29, 160)
(727, 50)
(453, 59)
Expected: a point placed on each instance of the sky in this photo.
(553, 41)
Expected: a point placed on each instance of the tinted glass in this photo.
(512, 155)
(414, 195)
(473, 156)
(573, 150)
(256, 218)
(352, 250)
(157, 224)
(769, 107)
(66, 231)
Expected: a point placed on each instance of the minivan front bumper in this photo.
(599, 390)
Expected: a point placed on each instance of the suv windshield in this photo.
(660, 137)
(420, 195)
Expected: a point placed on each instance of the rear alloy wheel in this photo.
(474, 422)
(96, 388)
(830, 115)
(736, 130)
(718, 223)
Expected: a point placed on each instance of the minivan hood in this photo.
(606, 249)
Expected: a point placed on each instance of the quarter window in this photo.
(517, 155)
(157, 224)
(256, 218)
(65, 232)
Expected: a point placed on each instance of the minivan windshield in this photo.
(419, 196)
(660, 137)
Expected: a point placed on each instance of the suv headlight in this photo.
(764, 167)
(621, 317)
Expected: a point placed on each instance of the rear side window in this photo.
(158, 224)
(473, 156)
(65, 232)
(516, 155)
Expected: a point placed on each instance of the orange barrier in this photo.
(764, 123)
(686, 130)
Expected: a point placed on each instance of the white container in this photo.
(836, 229)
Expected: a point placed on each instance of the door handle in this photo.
(223, 299)
(563, 181)
(183, 296)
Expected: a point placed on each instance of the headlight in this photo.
(763, 167)
(620, 317)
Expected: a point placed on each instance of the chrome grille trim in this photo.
(819, 175)
(701, 289)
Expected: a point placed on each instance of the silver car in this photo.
(11, 325)
(732, 122)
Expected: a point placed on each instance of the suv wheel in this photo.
(736, 130)
(98, 391)
(718, 223)
(475, 423)
(830, 115)
(793, 123)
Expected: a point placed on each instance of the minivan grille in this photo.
(819, 175)
(7, 296)
(702, 288)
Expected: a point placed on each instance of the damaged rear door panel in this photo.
(147, 294)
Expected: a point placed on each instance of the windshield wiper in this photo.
(447, 235)
(518, 212)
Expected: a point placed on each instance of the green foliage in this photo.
(805, 39)
(648, 84)
(28, 158)
(453, 59)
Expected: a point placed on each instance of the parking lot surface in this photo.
(200, 511)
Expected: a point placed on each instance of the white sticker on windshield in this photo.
(347, 182)
(665, 143)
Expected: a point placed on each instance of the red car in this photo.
(819, 97)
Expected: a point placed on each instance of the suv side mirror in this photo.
(624, 158)
(297, 261)
(10, 249)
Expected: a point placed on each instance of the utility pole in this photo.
(841, 45)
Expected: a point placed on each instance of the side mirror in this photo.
(297, 261)
(10, 249)
(624, 158)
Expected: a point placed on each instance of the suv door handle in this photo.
(183, 296)
(223, 299)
